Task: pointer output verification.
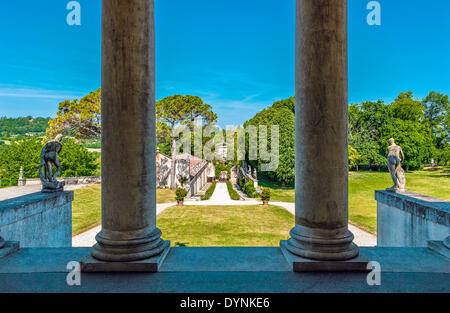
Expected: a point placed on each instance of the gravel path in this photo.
(220, 193)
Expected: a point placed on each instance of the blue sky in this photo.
(238, 55)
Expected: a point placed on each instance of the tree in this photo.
(405, 107)
(24, 153)
(163, 139)
(413, 137)
(367, 121)
(281, 114)
(78, 118)
(353, 157)
(410, 129)
(182, 110)
(437, 112)
(75, 159)
(23, 125)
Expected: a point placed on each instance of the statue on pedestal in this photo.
(394, 163)
(49, 157)
(21, 182)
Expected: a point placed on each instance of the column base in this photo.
(8, 248)
(322, 244)
(148, 265)
(114, 246)
(300, 264)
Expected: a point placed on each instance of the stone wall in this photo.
(38, 220)
(410, 220)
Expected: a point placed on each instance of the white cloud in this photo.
(38, 93)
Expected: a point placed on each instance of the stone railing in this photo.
(410, 220)
(243, 174)
(68, 180)
(38, 220)
(199, 180)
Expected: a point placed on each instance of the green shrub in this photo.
(250, 190)
(222, 168)
(183, 180)
(233, 193)
(180, 194)
(210, 191)
(265, 194)
(241, 184)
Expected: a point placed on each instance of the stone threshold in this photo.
(226, 259)
(230, 270)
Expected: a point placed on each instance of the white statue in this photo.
(394, 163)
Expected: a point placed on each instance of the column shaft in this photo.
(129, 229)
(321, 159)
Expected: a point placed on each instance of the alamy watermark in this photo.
(374, 16)
(73, 278)
(374, 277)
(237, 141)
(74, 16)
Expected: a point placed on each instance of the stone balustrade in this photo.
(410, 219)
(38, 220)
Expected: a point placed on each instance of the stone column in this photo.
(321, 153)
(129, 231)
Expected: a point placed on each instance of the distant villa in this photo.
(221, 151)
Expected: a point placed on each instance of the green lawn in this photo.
(86, 207)
(220, 223)
(362, 186)
(277, 191)
(206, 226)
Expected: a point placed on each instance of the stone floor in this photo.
(231, 270)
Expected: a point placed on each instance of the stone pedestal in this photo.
(129, 231)
(301, 264)
(152, 264)
(321, 165)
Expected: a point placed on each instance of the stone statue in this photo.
(394, 159)
(49, 157)
(21, 182)
(255, 173)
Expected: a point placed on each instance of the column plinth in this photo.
(319, 244)
(129, 231)
(321, 152)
